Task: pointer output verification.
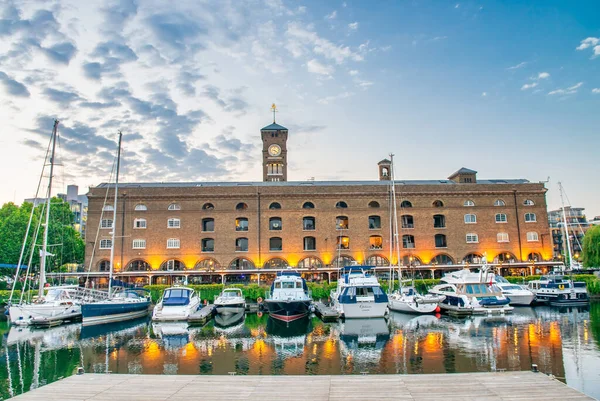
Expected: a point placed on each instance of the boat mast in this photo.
(112, 241)
(46, 226)
(565, 222)
(396, 231)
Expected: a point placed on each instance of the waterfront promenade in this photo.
(423, 387)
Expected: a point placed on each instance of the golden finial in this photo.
(274, 110)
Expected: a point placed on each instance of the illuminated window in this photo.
(241, 264)
(343, 242)
(241, 224)
(342, 261)
(376, 260)
(442, 259)
(172, 265)
(375, 242)
(341, 223)
(310, 262)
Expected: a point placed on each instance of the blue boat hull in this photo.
(288, 310)
(107, 312)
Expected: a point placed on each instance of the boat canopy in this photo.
(355, 268)
(177, 297)
(288, 273)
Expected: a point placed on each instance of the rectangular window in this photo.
(173, 243)
(105, 244)
(530, 217)
(500, 218)
(470, 219)
(139, 244)
(139, 223)
(532, 237)
(310, 244)
(472, 239)
(106, 223)
(502, 237)
(174, 223)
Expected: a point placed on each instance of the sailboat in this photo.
(406, 299)
(122, 303)
(58, 304)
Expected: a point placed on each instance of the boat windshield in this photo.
(478, 289)
(177, 293)
(500, 279)
(56, 295)
(231, 294)
(511, 287)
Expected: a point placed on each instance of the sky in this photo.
(510, 89)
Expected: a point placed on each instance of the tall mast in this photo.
(565, 222)
(114, 227)
(46, 226)
(395, 210)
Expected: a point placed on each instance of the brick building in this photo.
(202, 229)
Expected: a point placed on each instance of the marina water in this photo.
(562, 342)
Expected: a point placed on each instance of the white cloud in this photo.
(315, 67)
(520, 65)
(568, 91)
(543, 75)
(529, 86)
(364, 84)
(300, 37)
(596, 90)
(353, 26)
(332, 15)
(588, 42)
(330, 99)
(483, 94)
(353, 72)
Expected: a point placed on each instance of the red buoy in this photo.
(437, 309)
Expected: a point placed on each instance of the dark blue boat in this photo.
(124, 305)
(289, 298)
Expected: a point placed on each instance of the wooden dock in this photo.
(326, 313)
(201, 316)
(448, 387)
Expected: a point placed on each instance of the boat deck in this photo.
(423, 387)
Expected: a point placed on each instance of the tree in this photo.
(591, 247)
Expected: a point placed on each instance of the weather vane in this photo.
(274, 110)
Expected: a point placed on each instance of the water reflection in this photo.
(564, 343)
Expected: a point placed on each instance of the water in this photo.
(562, 342)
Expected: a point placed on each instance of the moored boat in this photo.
(408, 300)
(177, 303)
(289, 298)
(123, 304)
(558, 290)
(359, 294)
(230, 301)
(517, 294)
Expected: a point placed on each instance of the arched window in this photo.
(505, 257)
(405, 204)
(528, 202)
(172, 265)
(308, 205)
(310, 263)
(472, 238)
(408, 221)
(470, 218)
(208, 245)
(439, 221)
(310, 244)
(374, 204)
(275, 205)
(208, 224)
(440, 241)
(375, 242)
(173, 223)
(532, 236)
(534, 257)
(241, 264)
(469, 203)
(104, 266)
(342, 261)
(472, 258)
(499, 202)
(341, 205)
(275, 244)
(438, 203)
(341, 223)
(139, 223)
(140, 207)
(174, 206)
(208, 206)
(173, 243)
(108, 208)
(410, 260)
(408, 241)
(502, 237)
(241, 206)
(138, 266)
(501, 218)
(442, 259)
(207, 264)
(309, 223)
(241, 224)
(275, 224)
(343, 242)
(530, 218)
(241, 244)
(374, 222)
(275, 263)
(376, 260)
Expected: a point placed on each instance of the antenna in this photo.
(274, 110)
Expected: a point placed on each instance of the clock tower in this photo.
(274, 138)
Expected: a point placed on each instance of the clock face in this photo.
(274, 150)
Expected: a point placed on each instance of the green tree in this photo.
(591, 247)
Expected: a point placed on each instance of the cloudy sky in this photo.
(502, 87)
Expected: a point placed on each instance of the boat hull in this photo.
(174, 313)
(22, 315)
(521, 300)
(288, 311)
(363, 310)
(110, 311)
(412, 307)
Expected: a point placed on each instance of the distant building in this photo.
(577, 226)
(78, 204)
(595, 221)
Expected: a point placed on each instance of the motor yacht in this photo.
(517, 294)
(358, 294)
(177, 303)
(230, 302)
(558, 290)
(289, 298)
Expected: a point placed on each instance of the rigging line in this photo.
(31, 252)
(578, 223)
(29, 223)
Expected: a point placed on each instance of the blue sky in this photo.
(510, 89)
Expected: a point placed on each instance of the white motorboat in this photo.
(517, 294)
(289, 298)
(558, 290)
(408, 300)
(358, 294)
(177, 303)
(230, 302)
(469, 293)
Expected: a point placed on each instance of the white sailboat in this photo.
(58, 304)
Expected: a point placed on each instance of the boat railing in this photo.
(88, 295)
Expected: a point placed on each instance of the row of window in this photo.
(310, 243)
(309, 223)
(309, 205)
